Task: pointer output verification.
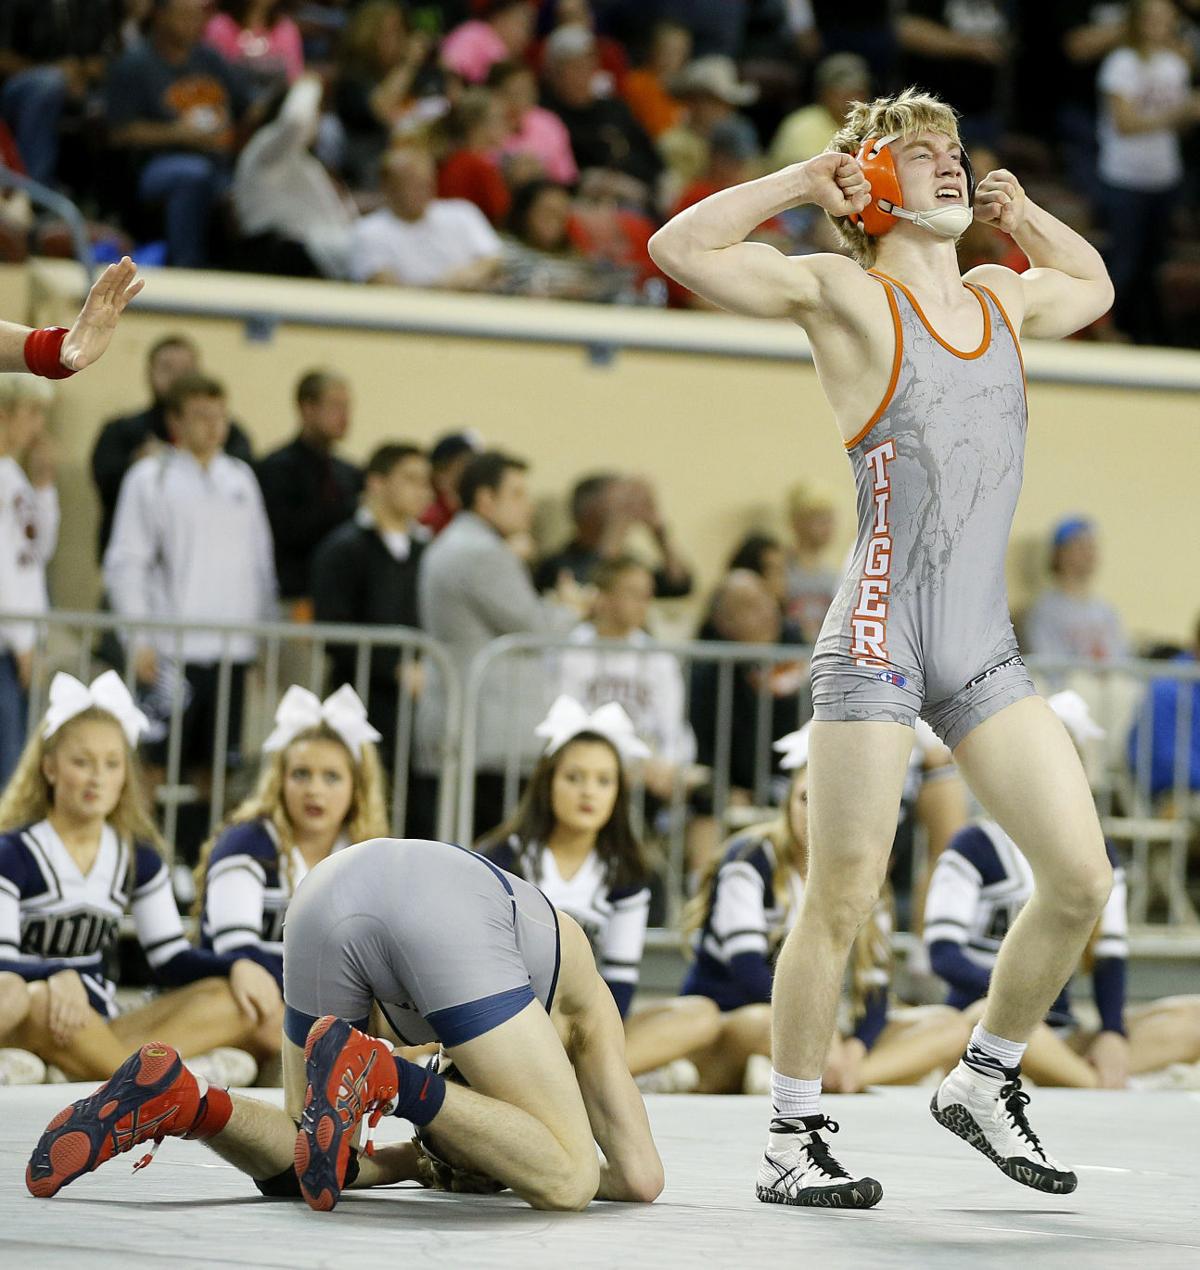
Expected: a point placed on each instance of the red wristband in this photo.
(43, 352)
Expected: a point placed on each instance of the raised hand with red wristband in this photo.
(55, 352)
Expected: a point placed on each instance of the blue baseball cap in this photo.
(1070, 528)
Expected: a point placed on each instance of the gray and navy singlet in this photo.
(920, 624)
(449, 945)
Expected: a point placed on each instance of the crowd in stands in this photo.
(531, 147)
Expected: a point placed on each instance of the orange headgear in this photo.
(886, 205)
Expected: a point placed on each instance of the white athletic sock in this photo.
(792, 1097)
(988, 1058)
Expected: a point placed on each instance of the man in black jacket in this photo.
(365, 572)
(127, 438)
(308, 490)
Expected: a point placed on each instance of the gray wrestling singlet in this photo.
(920, 623)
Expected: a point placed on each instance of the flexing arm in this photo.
(704, 247)
(1068, 286)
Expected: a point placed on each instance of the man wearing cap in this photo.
(840, 81)
(604, 133)
(1068, 619)
(811, 582)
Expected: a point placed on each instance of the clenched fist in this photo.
(1000, 201)
(836, 182)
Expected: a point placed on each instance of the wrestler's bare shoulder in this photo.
(1006, 285)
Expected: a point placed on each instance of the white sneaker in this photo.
(677, 1077)
(1177, 1076)
(20, 1067)
(224, 1066)
(996, 1126)
(56, 1076)
(756, 1079)
(797, 1168)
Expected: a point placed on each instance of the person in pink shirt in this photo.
(532, 130)
(503, 29)
(258, 36)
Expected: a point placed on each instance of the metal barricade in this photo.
(769, 681)
(86, 643)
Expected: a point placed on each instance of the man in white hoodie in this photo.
(191, 541)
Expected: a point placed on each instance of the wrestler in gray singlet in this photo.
(449, 945)
(921, 623)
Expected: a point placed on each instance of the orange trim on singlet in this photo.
(1011, 329)
(897, 357)
(987, 319)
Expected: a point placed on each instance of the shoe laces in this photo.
(816, 1146)
(148, 1159)
(1015, 1101)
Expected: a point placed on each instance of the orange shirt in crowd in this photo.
(475, 176)
(653, 107)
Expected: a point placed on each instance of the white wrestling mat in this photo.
(944, 1205)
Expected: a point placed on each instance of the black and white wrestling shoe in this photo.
(996, 1125)
(798, 1168)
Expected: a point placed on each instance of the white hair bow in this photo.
(567, 719)
(300, 710)
(793, 749)
(1077, 718)
(70, 697)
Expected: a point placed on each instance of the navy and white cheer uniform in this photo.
(53, 917)
(746, 923)
(979, 885)
(614, 918)
(247, 889)
(449, 945)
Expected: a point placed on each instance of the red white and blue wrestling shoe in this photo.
(150, 1096)
(349, 1076)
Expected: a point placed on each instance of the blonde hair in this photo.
(908, 113)
(367, 817)
(29, 796)
(871, 951)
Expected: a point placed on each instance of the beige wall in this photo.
(722, 437)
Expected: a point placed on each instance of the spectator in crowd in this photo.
(379, 62)
(956, 50)
(745, 612)
(533, 133)
(647, 684)
(764, 554)
(472, 588)
(612, 61)
(732, 156)
(840, 80)
(1082, 33)
(717, 26)
(1068, 619)
(1160, 717)
(307, 490)
(501, 32)
(294, 218)
(52, 57)
(603, 131)
(540, 257)
(419, 240)
(605, 509)
(127, 438)
(473, 130)
(812, 582)
(260, 38)
(867, 29)
(28, 523)
(1147, 102)
(365, 573)
(647, 89)
(173, 104)
(712, 93)
(447, 461)
(191, 541)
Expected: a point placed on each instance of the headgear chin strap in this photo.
(880, 215)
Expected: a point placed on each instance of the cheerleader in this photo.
(571, 835)
(321, 789)
(738, 922)
(980, 885)
(77, 849)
